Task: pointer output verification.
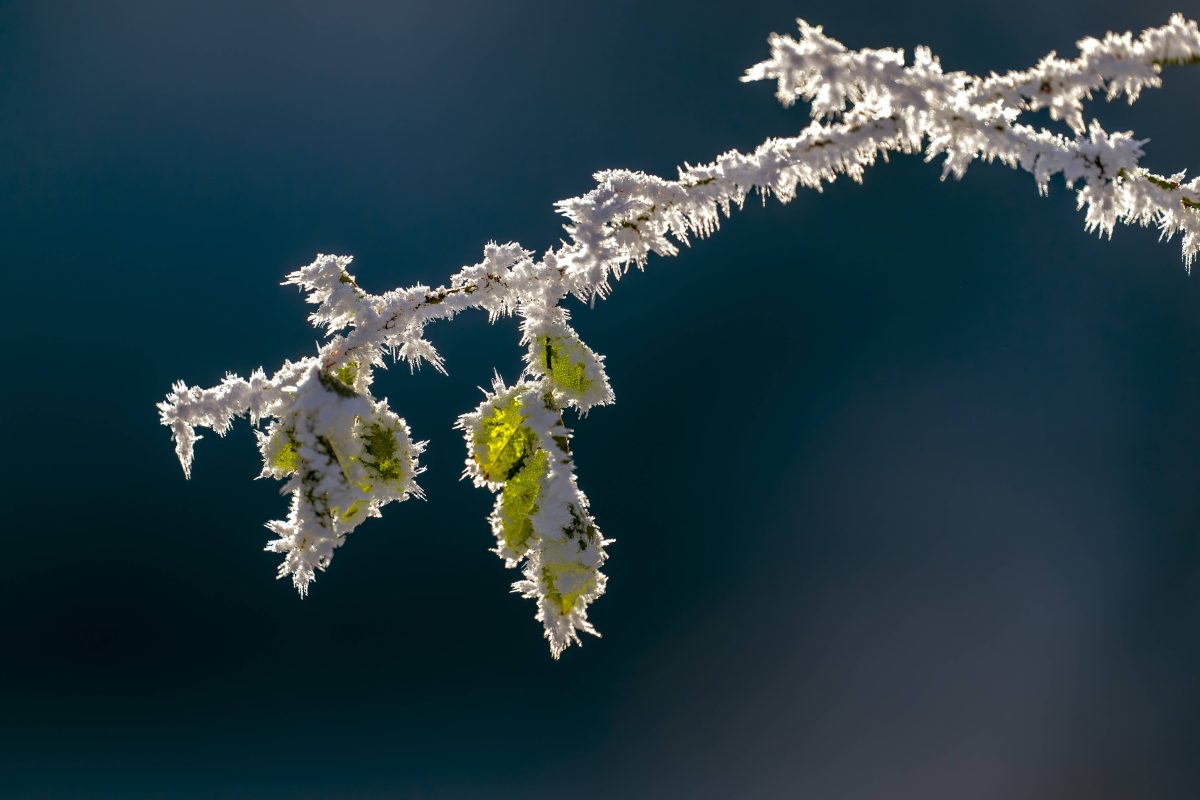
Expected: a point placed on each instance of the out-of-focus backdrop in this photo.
(933, 531)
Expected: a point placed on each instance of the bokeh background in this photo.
(903, 477)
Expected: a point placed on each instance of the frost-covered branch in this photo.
(344, 454)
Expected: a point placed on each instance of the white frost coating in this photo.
(518, 446)
(327, 434)
(344, 455)
(555, 355)
(964, 117)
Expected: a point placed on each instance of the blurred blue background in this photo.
(932, 533)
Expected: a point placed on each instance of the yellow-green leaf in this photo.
(286, 458)
(565, 362)
(503, 442)
(347, 373)
(518, 501)
(380, 444)
(582, 576)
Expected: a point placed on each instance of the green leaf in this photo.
(348, 514)
(287, 457)
(380, 444)
(335, 384)
(551, 573)
(347, 373)
(503, 442)
(565, 362)
(518, 501)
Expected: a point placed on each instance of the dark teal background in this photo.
(903, 477)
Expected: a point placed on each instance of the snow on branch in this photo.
(344, 454)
